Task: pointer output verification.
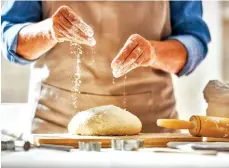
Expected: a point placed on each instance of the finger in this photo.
(119, 73)
(127, 69)
(65, 23)
(72, 30)
(67, 27)
(75, 32)
(58, 32)
(143, 57)
(149, 58)
(85, 28)
(134, 55)
(129, 46)
(76, 20)
(64, 35)
(62, 30)
(78, 34)
(147, 62)
(140, 60)
(87, 40)
(125, 51)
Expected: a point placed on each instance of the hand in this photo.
(67, 26)
(137, 52)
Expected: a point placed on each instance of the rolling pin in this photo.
(202, 126)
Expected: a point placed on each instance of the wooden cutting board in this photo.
(150, 139)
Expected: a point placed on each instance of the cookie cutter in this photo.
(89, 146)
(127, 144)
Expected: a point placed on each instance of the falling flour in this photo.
(124, 92)
(92, 58)
(76, 50)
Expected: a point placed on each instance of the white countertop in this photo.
(107, 158)
(36, 158)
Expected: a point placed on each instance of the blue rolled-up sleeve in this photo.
(16, 15)
(189, 28)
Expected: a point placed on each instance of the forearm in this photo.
(35, 39)
(170, 57)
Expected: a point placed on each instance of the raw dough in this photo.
(105, 120)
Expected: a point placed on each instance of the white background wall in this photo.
(188, 90)
(14, 83)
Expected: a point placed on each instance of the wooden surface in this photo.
(150, 139)
(216, 140)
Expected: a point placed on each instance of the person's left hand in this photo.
(136, 52)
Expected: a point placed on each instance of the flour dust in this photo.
(124, 93)
(76, 50)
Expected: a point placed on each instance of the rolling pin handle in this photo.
(175, 124)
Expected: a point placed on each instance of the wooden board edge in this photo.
(216, 140)
(106, 143)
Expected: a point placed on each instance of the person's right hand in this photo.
(67, 26)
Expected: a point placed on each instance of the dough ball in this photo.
(104, 121)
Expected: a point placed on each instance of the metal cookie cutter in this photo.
(89, 146)
(127, 145)
(116, 144)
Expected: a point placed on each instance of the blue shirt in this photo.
(187, 24)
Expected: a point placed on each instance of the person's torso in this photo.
(144, 91)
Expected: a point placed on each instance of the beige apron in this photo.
(148, 93)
